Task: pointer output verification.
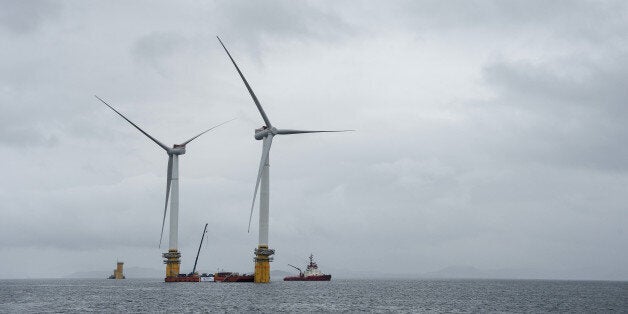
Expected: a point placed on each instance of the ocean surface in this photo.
(148, 295)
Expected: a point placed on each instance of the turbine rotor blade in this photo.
(268, 141)
(168, 180)
(288, 131)
(215, 126)
(137, 127)
(248, 87)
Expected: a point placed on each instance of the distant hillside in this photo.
(457, 272)
(129, 272)
(279, 274)
(139, 272)
(451, 272)
(89, 274)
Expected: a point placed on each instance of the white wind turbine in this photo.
(266, 134)
(172, 190)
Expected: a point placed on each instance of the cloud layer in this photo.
(490, 134)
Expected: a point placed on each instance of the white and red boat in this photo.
(311, 273)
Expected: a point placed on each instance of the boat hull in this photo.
(183, 279)
(220, 277)
(232, 277)
(240, 278)
(308, 278)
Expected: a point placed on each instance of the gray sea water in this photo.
(144, 295)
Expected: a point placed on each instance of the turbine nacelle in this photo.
(262, 132)
(177, 149)
(265, 133)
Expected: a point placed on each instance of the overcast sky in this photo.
(490, 134)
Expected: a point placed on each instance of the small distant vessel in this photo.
(311, 273)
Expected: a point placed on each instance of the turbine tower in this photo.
(265, 134)
(172, 257)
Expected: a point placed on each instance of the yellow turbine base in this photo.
(172, 270)
(118, 273)
(262, 266)
(262, 272)
(173, 263)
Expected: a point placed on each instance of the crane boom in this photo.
(199, 249)
(297, 268)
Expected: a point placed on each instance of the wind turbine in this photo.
(265, 134)
(172, 191)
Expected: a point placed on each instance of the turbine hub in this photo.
(178, 149)
(261, 133)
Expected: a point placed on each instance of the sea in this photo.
(155, 296)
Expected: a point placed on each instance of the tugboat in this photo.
(311, 273)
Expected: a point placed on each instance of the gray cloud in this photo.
(489, 134)
(577, 103)
(581, 19)
(152, 49)
(22, 17)
(252, 23)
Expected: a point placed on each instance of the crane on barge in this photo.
(199, 249)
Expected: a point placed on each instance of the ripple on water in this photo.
(143, 295)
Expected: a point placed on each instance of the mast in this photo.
(173, 257)
(199, 248)
(174, 205)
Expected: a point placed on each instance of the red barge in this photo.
(232, 277)
(311, 273)
(184, 278)
(216, 277)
